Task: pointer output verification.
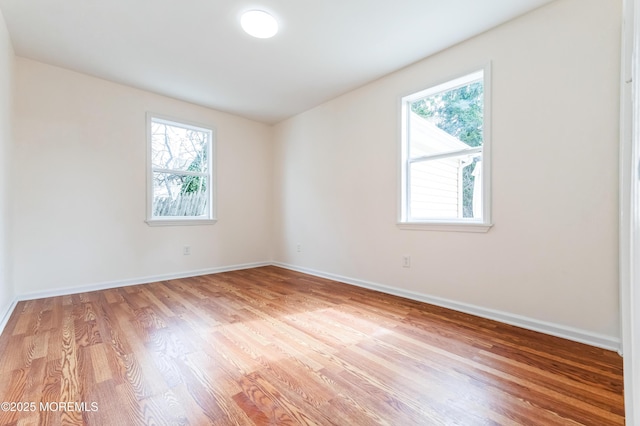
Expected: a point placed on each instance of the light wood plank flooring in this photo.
(268, 346)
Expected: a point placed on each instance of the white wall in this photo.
(6, 97)
(552, 254)
(80, 185)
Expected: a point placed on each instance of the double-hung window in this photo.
(180, 172)
(445, 156)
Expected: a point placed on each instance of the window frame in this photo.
(210, 217)
(463, 225)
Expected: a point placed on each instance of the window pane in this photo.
(448, 188)
(179, 148)
(179, 195)
(428, 139)
(457, 112)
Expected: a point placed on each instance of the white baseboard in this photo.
(570, 333)
(135, 281)
(6, 314)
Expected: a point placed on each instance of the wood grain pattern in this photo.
(268, 346)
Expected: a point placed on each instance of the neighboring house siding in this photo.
(435, 184)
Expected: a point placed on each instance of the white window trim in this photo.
(211, 187)
(450, 225)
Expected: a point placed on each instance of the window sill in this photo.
(179, 222)
(445, 226)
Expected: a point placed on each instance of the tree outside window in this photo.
(180, 174)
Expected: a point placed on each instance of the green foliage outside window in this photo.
(195, 183)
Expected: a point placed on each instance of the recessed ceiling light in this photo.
(259, 24)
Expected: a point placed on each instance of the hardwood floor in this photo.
(271, 346)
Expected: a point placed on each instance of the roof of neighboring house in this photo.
(427, 138)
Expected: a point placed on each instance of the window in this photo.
(445, 161)
(181, 186)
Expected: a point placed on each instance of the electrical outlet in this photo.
(406, 261)
(298, 247)
(186, 250)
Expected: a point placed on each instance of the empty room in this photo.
(357, 212)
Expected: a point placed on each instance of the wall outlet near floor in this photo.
(406, 261)
(298, 247)
(186, 250)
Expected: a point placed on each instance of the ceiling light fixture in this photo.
(259, 24)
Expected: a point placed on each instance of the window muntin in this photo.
(444, 153)
(180, 172)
